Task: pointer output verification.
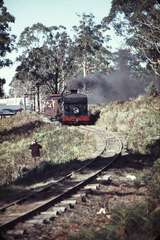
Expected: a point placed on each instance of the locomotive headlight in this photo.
(75, 110)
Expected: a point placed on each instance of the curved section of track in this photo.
(41, 202)
(101, 145)
(108, 143)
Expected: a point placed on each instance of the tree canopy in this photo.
(46, 58)
(90, 44)
(50, 57)
(139, 22)
(6, 40)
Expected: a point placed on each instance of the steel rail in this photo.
(27, 196)
(67, 193)
(54, 200)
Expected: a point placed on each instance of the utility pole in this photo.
(84, 73)
(25, 104)
(34, 102)
(38, 97)
(33, 93)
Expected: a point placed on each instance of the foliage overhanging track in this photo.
(66, 187)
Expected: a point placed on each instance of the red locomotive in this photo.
(69, 108)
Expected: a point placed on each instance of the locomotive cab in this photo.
(52, 107)
(75, 108)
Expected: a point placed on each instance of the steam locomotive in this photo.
(68, 108)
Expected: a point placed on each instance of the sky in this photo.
(50, 12)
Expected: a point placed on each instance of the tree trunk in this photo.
(84, 68)
(38, 98)
(84, 74)
(56, 81)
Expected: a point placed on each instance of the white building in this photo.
(12, 101)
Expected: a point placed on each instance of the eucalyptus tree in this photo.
(6, 40)
(129, 75)
(2, 82)
(139, 22)
(18, 88)
(46, 58)
(91, 52)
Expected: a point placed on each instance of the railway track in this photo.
(25, 197)
(46, 204)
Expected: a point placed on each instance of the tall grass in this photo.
(138, 120)
(60, 144)
(18, 120)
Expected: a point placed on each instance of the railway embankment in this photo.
(136, 121)
(126, 206)
(61, 144)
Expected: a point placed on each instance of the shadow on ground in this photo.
(47, 171)
(21, 130)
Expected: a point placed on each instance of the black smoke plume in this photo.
(102, 88)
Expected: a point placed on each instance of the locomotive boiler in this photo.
(68, 108)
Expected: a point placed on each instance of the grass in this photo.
(154, 183)
(138, 120)
(60, 144)
(17, 120)
(126, 224)
(137, 221)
